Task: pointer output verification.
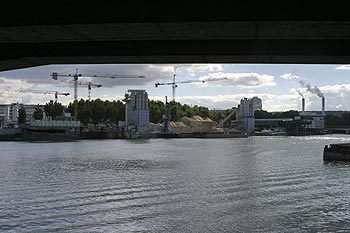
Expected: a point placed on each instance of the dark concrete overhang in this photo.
(149, 32)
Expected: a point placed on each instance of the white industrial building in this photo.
(245, 114)
(136, 114)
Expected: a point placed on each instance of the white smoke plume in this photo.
(299, 92)
(305, 84)
(313, 90)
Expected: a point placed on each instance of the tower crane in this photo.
(89, 85)
(174, 83)
(56, 93)
(76, 76)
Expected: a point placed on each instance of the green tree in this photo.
(176, 111)
(203, 111)
(98, 111)
(262, 114)
(290, 114)
(156, 111)
(38, 113)
(216, 116)
(84, 114)
(22, 116)
(332, 120)
(345, 119)
(53, 109)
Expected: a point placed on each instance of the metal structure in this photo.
(56, 93)
(222, 122)
(167, 116)
(174, 83)
(89, 85)
(76, 76)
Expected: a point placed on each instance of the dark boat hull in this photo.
(337, 152)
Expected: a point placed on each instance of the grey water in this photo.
(255, 184)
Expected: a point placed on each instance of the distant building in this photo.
(317, 120)
(30, 109)
(9, 114)
(136, 113)
(3, 115)
(245, 114)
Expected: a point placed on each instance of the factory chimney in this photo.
(323, 106)
(302, 105)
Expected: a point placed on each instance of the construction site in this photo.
(127, 119)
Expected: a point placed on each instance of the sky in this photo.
(280, 86)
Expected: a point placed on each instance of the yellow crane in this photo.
(56, 93)
(76, 76)
(174, 83)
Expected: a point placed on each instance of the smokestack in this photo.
(323, 104)
(302, 105)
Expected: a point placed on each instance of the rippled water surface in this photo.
(265, 184)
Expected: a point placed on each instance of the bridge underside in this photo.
(141, 32)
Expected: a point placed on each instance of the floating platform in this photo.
(337, 152)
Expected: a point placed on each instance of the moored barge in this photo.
(338, 152)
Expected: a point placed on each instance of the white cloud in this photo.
(13, 84)
(343, 67)
(251, 80)
(199, 68)
(16, 90)
(290, 76)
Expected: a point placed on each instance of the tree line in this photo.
(332, 120)
(262, 114)
(98, 111)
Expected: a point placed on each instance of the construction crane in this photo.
(56, 93)
(89, 85)
(174, 84)
(76, 76)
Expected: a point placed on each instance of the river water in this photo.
(255, 184)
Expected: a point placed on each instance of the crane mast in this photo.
(174, 87)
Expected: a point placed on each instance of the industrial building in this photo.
(245, 119)
(317, 117)
(136, 114)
